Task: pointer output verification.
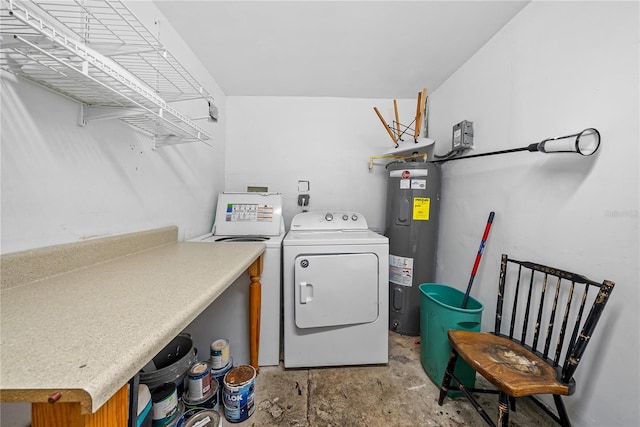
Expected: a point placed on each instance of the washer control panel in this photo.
(323, 220)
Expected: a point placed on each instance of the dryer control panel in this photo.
(329, 221)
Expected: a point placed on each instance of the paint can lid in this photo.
(199, 368)
(240, 375)
(206, 418)
(219, 344)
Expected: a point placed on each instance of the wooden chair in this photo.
(528, 353)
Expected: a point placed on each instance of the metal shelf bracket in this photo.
(89, 113)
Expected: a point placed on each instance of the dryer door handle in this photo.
(306, 292)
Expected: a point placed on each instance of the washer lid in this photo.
(246, 238)
(241, 214)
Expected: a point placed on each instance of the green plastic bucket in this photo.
(440, 310)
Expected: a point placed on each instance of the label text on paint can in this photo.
(165, 403)
(219, 353)
(199, 377)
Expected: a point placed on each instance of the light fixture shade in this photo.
(585, 143)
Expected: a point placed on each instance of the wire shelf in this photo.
(98, 53)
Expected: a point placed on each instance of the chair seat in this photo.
(506, 364)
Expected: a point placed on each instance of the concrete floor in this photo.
(397, 394)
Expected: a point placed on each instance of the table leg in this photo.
(255, 297)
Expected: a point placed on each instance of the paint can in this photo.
(217, 375)
(220, 353)
(188, 413)
(199, 381)
(176, 421)
(238, 395)
(165, 404)
(207, 402)
(206, 418)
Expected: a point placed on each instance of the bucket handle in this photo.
(186, 335)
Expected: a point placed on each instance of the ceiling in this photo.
(353, 49)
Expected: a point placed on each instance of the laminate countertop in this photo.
(86, 330)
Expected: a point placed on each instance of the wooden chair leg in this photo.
(503, 410)
(446, 380)
(562, 412)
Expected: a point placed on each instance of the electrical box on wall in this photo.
(462, 136)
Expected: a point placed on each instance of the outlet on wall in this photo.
(303, 200)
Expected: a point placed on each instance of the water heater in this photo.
(411, 224)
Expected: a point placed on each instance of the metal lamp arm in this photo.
(586, 143)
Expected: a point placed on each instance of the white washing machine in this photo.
(336, 295)
(252, 217)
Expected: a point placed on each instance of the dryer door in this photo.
(336, 289)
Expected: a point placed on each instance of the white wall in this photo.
(277, 141)
(555, 69)
(64, 183)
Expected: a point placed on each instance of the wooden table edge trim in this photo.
(44, 395)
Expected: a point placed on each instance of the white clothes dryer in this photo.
(254, 217)
(336, 296)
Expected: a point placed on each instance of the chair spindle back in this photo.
(537, 299)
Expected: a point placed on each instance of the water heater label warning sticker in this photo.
(418, 184)
(405, 184)
(400, 270)
(421, 207)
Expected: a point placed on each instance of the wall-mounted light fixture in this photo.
(585, 143)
